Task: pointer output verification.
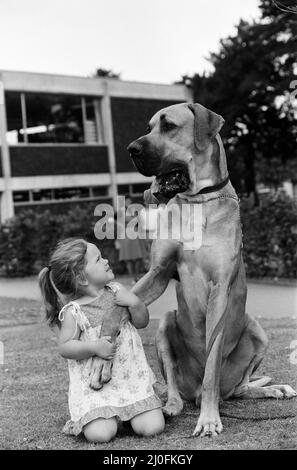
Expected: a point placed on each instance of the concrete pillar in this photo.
(6, 204)
(24, 117)
(109, 141)
(99, 123)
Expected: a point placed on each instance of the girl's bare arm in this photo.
(138, 311)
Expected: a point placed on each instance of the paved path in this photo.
(264, 300)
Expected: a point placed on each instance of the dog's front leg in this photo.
(209, 422)
(163, 266)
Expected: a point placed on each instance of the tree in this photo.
(250, 87)
(106, 74)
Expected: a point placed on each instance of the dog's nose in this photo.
(135, 149)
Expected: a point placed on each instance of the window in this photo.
(49, 118)
(21, 196)
(99, 191)
(42, 195)
(14, 118)
(139, 188)
(53, 119)
(90, 124)
(39, 196)
(124, 189)
(72, 193)
(132, 189)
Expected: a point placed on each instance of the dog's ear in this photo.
(207, 125)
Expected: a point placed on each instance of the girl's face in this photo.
(97, 269)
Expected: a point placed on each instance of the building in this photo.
(63, 138)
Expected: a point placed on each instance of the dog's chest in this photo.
(182, 223)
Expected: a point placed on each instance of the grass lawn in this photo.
(34, 381)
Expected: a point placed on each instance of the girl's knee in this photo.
(149, 423)
(101, 430)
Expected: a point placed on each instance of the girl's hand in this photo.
(104, 348)
(125, 297)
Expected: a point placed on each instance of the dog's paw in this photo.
(96, 385)
(282, 391)
(275, 393)
(288, 391)
(208, 425)
(173, 407)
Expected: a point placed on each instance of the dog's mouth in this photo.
(173, 182)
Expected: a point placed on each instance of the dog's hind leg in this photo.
(271, 391)
(259, 381)
(244, 361)
(239, 368)
(251, 390)
(165, 350)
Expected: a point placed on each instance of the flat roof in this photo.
(97, 86)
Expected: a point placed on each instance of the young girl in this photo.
(74, 291)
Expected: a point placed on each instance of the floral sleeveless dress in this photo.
(130, 391)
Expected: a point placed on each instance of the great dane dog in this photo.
(210, 347)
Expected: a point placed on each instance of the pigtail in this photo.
(58, 282)
(51, 298)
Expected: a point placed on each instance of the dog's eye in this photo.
(168, 126)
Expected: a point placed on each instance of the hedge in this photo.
(27, 239)
(269, 238)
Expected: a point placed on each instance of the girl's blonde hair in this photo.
(60, 277)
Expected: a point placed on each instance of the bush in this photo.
(270, 237)
(27, 239)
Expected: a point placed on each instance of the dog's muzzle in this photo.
(135, 149)
(170, 180)
(147, 167)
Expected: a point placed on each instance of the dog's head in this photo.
(182, 149)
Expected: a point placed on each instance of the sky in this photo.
(144, 40)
